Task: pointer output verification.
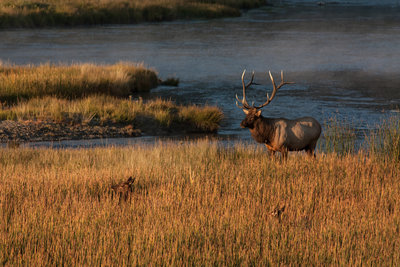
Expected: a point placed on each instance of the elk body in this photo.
(279, 134)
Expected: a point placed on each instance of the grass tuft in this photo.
(207, 118)
(170, 82)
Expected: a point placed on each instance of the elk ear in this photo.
(258, 113)
(245, 111)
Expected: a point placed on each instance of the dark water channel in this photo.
(345, 59)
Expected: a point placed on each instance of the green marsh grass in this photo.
(383, 140)
(103, 109)
(386, 139)
(45, 13)
(338, 137)
(197, 203)
(73, 81)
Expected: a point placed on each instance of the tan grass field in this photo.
(197, 203)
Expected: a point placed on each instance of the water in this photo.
(344, 59)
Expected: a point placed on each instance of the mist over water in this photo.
(345, 59)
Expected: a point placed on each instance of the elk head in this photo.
(254, 112)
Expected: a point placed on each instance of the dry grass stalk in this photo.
(123, 190)
(277, 212)
(197, 204)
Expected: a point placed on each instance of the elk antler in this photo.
(245, 105)
(269, 99)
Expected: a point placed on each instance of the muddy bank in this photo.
(33, 131)
(17, 132)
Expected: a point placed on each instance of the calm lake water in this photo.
(345, 59)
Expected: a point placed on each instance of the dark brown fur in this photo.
(261, 128)
(124, 189)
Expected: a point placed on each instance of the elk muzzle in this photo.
(242, 124)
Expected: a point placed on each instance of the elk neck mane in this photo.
(263, 130)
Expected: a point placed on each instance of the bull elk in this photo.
(278, 134)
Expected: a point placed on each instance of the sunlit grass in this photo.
(104, 109)
(97, 94)
(197, 203)
(40, 13)
(73, 81)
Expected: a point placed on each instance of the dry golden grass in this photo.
(74, 81)
(41, 13)
(104, 109)
(84, 93)
(197, 203)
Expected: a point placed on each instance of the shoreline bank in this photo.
(33, 14)
(15, 133)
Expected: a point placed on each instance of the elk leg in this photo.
(310, 153)
(284, 153)
(311, 150)
(271, 150)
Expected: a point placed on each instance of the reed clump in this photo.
(73, 81)
(42, 13)
(385, 140)
(382, 140)
(339, 136)
(197, 203)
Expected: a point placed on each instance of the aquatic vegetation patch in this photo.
(385, 140)
(381, 140)
(170, 82)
